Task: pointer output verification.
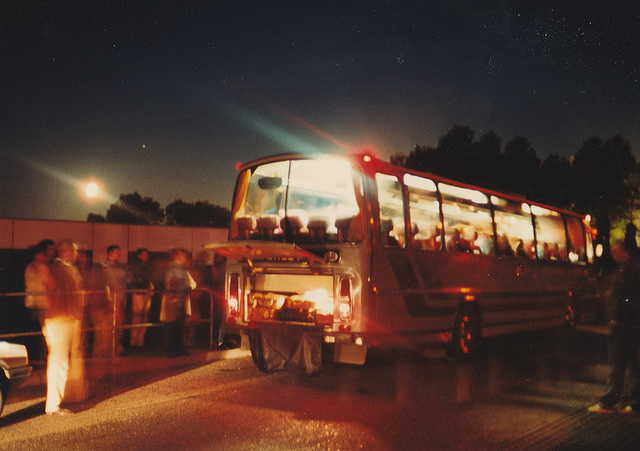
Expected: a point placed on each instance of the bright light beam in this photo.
(275, 133)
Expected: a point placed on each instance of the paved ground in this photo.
(575, 429)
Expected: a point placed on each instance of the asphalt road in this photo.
(396, 401)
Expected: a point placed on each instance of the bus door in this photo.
(518, 297)
(397, 285)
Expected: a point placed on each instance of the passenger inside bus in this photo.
(504, 248)
(454, 243)
(387, 234)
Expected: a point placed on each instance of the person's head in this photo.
(179, 255)
(45, 250)
(114, 252)
(142, 254)
(67, 251)
(83, 257)
(202, 257)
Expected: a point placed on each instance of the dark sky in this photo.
(164, 98)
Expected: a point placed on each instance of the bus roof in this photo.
(371, 163)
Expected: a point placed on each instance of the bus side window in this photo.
(576, 250)
(550, 234)
(514, 228)
(391, 203)
(467, 220)
(424, 209)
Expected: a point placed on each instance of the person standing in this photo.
(176, 305)
(38, 284)
(37, 277)
(62, 319)
(623, 341)
(115, 277)
(141, 300)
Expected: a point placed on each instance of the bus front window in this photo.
(300, 201)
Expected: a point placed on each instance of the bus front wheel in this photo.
(466, 337)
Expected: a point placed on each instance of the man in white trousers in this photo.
(62, 319)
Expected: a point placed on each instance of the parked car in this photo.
(14, 366)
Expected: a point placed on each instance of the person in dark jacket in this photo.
(623, 305)
(141, 299)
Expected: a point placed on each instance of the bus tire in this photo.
(466, 336)
(257, 350)
(4, 388)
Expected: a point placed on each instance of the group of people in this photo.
(71, 295)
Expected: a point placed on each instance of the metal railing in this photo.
(116, 328)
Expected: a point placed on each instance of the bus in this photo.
(369, 254)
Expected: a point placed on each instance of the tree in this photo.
(602, 169)
(459, 157)
(399, 159)
(92, 217)
(482, 165)
(198, 214)
(135, 209)
(556, 182)
(521, 168)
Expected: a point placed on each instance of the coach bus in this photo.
(372, 254)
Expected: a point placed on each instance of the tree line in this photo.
(133, 208)
(601, 179)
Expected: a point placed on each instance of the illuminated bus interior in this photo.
(322, 201)
(299, 201)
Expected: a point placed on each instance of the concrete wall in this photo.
(22, 233)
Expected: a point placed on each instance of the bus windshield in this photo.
(299, 201)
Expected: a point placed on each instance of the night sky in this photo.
(164, 98)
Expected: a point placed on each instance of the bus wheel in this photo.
(257, 349)
(466, 337)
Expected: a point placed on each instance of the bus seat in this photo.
(246, 225)
(343, 225)
(267, 226)
(292, 224)
(317, 229)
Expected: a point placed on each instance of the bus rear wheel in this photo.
(257, 350)
(466, 337)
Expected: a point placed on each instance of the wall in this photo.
(23, 233)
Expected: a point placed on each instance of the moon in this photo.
(91, 190)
